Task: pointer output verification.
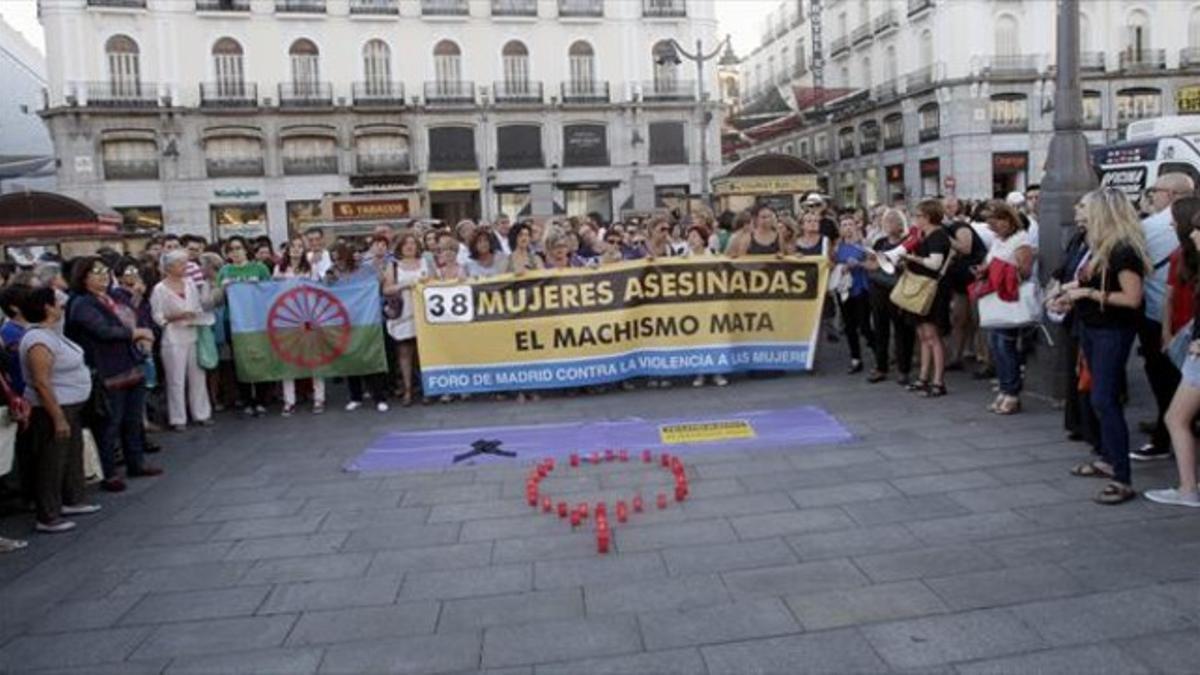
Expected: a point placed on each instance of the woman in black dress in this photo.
(927, 261)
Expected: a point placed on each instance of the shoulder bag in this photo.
(914, 293)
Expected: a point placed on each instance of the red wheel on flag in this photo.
(308, 327)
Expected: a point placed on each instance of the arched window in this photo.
(516, 67)
(124, 69)
(1138, 104)
(930, 122)
(447, 63)
(227, 68)
(868, 79)
(785, 63)
(1007, 35)
(925, 50)
(1137, 40)
(845, 75)
(891, 63)
(771, 74)
(377, 67)
(666, 66)
(1009, 112)
(1194, 29)
(1085, 32)
(306, 70)
(582, 61)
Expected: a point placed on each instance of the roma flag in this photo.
(296, 329)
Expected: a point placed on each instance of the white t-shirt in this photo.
(1006, 249)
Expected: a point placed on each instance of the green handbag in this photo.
(206, 347)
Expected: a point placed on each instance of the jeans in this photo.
(124, 430)
(1106, 351)
(1163, 376)
(1007, 358)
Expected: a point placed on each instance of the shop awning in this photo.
(46, 215)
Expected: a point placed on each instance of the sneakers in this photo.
(318, 408)
(1173, 497)
(353, 405)
(288, 411)
(382, 406)
(1149, 453)
(855, 368)
(80, 509)
(259, 410)
(55, 526)
(248, 411)
(698, 382)
(112, 485)
(720, 380)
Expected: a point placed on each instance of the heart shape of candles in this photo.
(577, 513)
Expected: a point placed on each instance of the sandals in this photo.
(1007, 405)
(917, 385)
(934, 391)
(11, 545)
(1091, 470)
(876, 376)
(1115, 493)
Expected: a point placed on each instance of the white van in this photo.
(1151, 148)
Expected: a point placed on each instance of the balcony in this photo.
(310, 166)
(921, 79)
(664, 9)
(442, 92)
(517, 91)
(299, 6)
(1189, 57)
(375, 7)
(585, 92)
(862, 34)
(821, 158)
(445, 8)
(376, 93)
(800, 69)
(1013, 65)
(382, 165)
(887, 92)
(118, 4)
(222, 5)
(886, 22)
(1010, 126)
(305, 94)
(514, 7)
(917, 7)
(846, 151)
(228, 94)
(1092, 122)
(131, 169)
(122, 94)
(1091, 62)
(840, 46)
(669, 90)
(234, 168)
(929, 134)
(894, 141)
(1134, 60)
(581, 9)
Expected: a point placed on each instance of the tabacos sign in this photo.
(383, 209)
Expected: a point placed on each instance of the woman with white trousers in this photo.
(177, 305)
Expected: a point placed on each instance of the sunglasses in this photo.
(99, 270)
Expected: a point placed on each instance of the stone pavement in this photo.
(943, 539)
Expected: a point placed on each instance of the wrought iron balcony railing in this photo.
(222, 5)
(514, 7)
(862, 33)
(885, 22)
(581, 8)
(310, 166)
(305, 94)
(1143, 59)
(585, 92)
(445, 8)
(517, 91)
(228, 94)
(1014, 65)
(375, 7)
(131, 169)
(449, 92)
(1091, 61)
(669, 90)
(229, 168)
(664, 8)
(915, 7)
(120, 4)
(122, 94)
(374, 93)
(300, 6)
(839, 45)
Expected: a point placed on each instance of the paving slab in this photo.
(728, 622)
(791, 579)
(76, 649)
(466, 614)
(1103, 616)
(160, 608)
(443, 653)
(215, 637)
(570, 639)
(668, 662)
(1010, 586)
(854, 606)
(315, 595)
(450, 584)
(832, 652)
(598, 570)
(967, 636)
(655, 594)
(365, 623)
(1101, 659)
(706, 558)
(263, 662)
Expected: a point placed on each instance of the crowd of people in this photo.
(119, 345)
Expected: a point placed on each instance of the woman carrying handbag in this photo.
(924, 297)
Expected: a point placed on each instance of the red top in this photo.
(1182, 296)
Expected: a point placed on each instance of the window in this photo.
(519, 146)
(1085, 32)
(246, 220)
(891, 63)
(585, 145)
(140, 218)
(925, 50)
(452, 149)
(868, 80)
(845, 74)
(447, 62)
(1009, 112)
(1092, 110)
(930, 118)
(667, 144)
(1138, 104)
(228, 69)
(226, 156)
(516, 67)
(1137, 32)
(785, 63)
(666, 66)
(1194, 29)
(804, 151)
(306, 73)
(846, 142)
(133, 159)
(124, 70)
(582, 61)
(771, 70)
(868, 136)
(309, 155)
(1007, 36)
(377, 68)
(382, 153)
(893, 131)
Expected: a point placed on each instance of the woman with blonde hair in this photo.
(1107, 299)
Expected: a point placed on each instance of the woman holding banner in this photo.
(410, 271)
(178, 307)
(523, 258)
(484, 262)
(346, 269)
(763, 238)
(294, 265)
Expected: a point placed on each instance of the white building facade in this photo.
(26, 154)
(240, 116)
(958, 95)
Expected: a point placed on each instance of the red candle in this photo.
(582, 508)
(666, 459)
(575, 519)
(647, 456)
(601, 510)
(610, 455)
(562, 509)
(637, 504)
(622, 512)
(547, 505)
(549, 463)
(595, 458)
(532, 498)
(574, 459)
(680, 493)
(662, 500)
(623, 455)
(602, 540)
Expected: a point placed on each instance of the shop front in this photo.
(894, 176)
(247, 220)
(931, 177)
(776, 179)
(1009, 171)
(358, 214)
(453, 196)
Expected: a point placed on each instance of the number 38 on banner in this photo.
(449, 304)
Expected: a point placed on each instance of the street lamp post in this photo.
(1068, 177)
(699, 57)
